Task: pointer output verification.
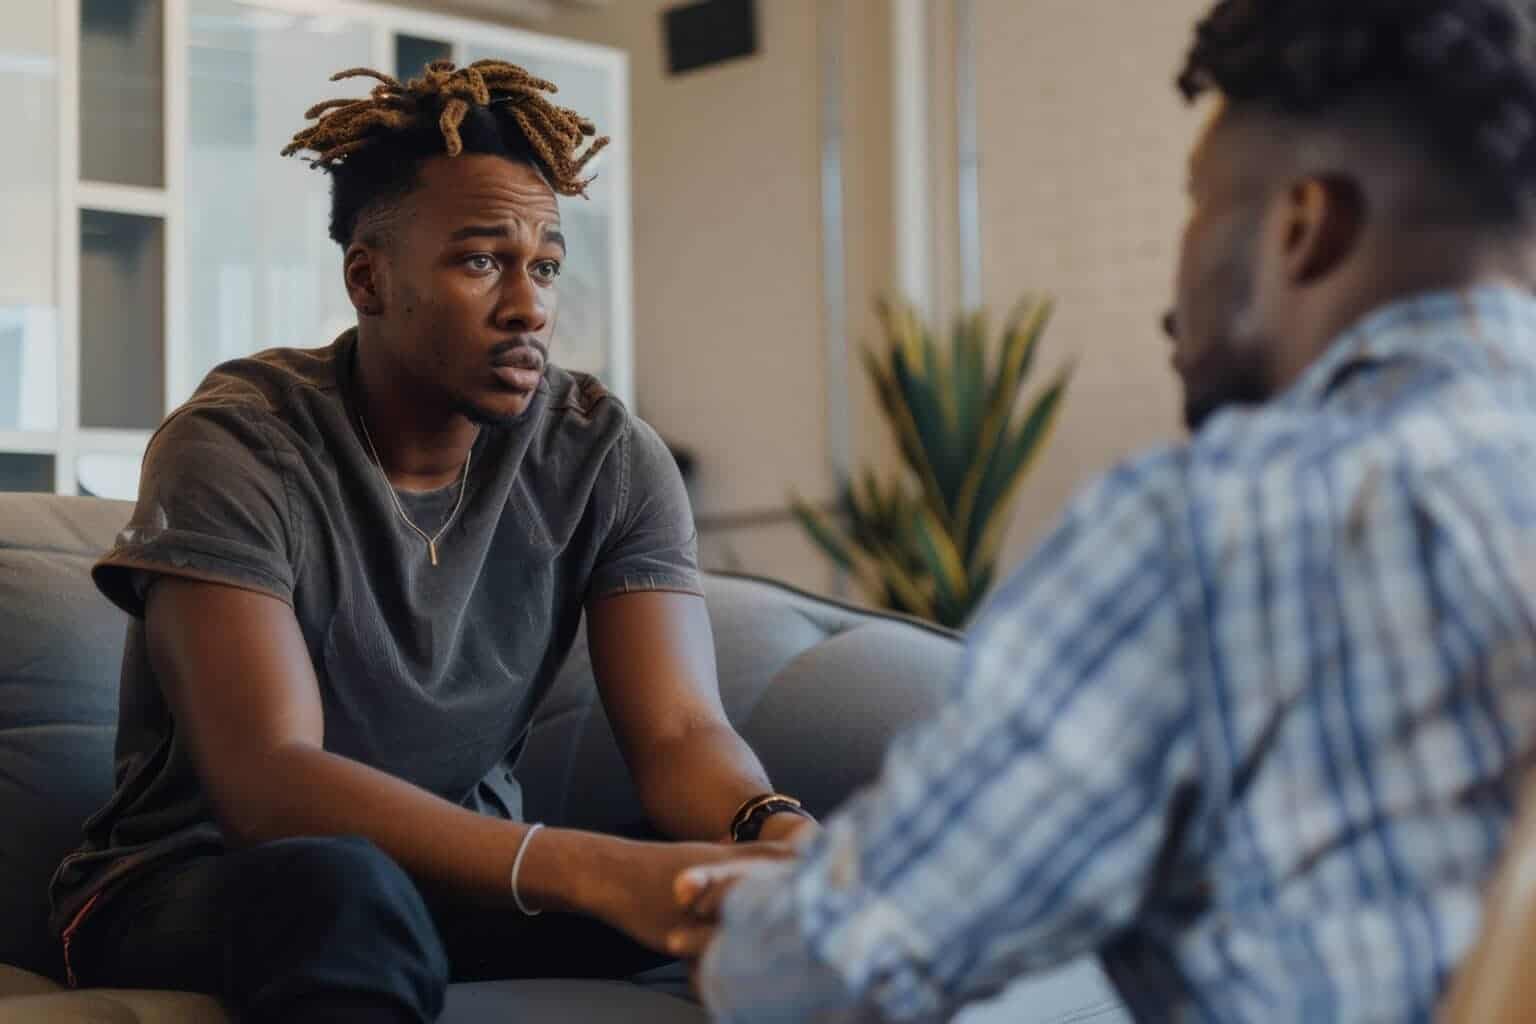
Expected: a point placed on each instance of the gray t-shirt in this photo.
(430, 673)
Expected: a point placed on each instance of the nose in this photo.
(1171, 325)
(522, 309)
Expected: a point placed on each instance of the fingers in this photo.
(700, 891)
(688, 886)
(697, 881)
(690, 941)
(706, 894)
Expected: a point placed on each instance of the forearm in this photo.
(303, 790)
(691, 785)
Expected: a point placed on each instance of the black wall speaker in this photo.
(702, 34)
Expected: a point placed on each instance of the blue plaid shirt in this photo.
(1249, 724)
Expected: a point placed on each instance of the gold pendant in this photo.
(432, 550)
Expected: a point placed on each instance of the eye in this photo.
(480, 262)
(546, 270)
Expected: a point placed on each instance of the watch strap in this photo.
(747, 824)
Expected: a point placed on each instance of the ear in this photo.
(1324, 218)
(363, 270)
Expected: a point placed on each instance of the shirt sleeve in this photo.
(652, 543)
(1017, 829)
(213, 505)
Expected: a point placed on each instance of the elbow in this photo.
(244, 827)
(247, 819)
(253, 803)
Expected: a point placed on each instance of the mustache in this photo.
(507, 347)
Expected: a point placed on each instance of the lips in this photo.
(520, 369)
(518, 378)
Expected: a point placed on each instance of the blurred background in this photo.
(778, 168)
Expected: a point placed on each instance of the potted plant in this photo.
(925, 541)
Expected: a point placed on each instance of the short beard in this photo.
(1236, 369)
(1233, 376)
(494, 420)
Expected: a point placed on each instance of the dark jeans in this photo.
(325, 929)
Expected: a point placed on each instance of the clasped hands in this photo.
(700, 891)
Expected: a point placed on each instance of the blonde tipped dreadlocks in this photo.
(446, 93)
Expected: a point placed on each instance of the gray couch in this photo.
(817, 688)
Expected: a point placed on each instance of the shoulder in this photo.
(264, 388)
(1130, 515)
(270, 381)
(579, 401)
(259, 403)
(581, 411)
(1151, 488)
(1426, 428)
(580, 417)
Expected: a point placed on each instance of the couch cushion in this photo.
(555, 1002)
(529, 1002)
(112, 1006)
(16, 982)
(59, 666)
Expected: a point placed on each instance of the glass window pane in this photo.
(28, 210)
(122, 301)
(261, 272)
(23, 472)
(109, 475)
(584, 335)
(29, 369)
(413, 54)
(122, 92)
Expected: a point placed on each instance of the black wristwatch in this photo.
(747, 825)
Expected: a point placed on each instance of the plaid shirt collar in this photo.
(1484, 326)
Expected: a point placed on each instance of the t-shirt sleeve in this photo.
(652, 543)
(213, 506)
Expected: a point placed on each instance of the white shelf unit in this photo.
(203, 244)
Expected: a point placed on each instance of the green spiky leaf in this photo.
(943, 563)
(1011, 460)
(926, 542)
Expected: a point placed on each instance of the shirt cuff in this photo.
(645, 582)
(761, 969)
(143, 553)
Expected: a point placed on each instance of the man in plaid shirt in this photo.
(1250, 723)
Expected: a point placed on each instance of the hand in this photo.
(700, 892)
(643, 902)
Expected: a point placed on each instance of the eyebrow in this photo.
(551, 237)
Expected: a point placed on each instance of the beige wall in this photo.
(1083, 143)
(27, 111)
(728, 315)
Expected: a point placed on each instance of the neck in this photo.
(421, 443)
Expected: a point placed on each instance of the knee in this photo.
(333, 914)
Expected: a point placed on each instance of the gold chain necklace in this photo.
(431, 539)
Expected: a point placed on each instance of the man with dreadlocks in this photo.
(354, 572)
(1250, 724)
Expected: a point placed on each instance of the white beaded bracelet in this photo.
(517, 865)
